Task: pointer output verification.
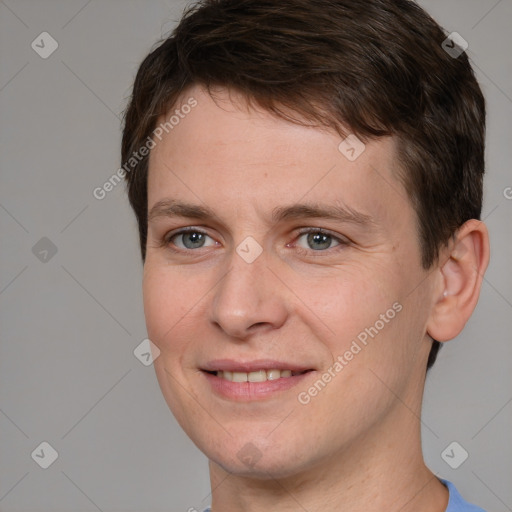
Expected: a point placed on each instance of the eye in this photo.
(318, 240)
(189, 239)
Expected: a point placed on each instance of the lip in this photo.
(252, 391)
(230, 365)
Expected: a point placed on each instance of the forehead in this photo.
(229, 155)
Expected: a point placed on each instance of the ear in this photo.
(461, 270)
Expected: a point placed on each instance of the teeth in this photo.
(239, 377)
(273, 374)
(258, 376)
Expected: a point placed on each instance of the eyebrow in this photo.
(333, 212)
(174, 208)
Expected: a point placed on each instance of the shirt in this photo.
(456, 502)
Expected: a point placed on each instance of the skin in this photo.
(356, 444)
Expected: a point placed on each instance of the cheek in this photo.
(167, 303)
(344, 303)
(156, 303)
(364, 317)
(169, 311)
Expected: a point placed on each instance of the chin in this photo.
(260, 459)
(261, 470)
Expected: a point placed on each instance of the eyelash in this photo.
(342, 242)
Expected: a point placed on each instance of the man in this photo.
(307, 179)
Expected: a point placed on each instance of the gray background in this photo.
(70, 324)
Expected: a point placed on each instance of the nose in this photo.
(248, 298)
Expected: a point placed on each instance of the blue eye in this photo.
(310, 239)
(319, 240)
(190, 239)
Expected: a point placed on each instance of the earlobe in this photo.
(462, 265)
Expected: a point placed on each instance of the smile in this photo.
(253, 381)
(257, 376)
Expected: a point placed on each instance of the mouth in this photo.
(256, 376)
(256, 380)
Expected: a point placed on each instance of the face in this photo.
(283, 287)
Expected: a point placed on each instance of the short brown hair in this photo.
(376, 67)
